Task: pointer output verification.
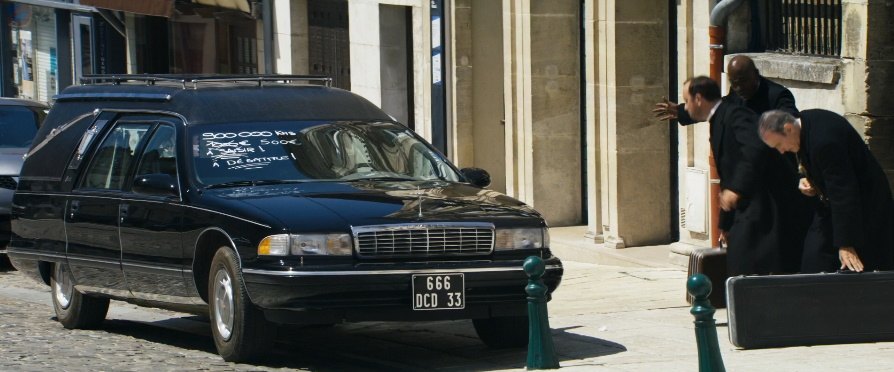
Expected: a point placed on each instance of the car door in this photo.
(92, 210)
(151, 221)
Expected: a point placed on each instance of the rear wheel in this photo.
(74, 309)
(239, 329)
(503, 332)
(5, 265)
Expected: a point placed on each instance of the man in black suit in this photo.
(751, 219)
(747, 88)
(853, 226)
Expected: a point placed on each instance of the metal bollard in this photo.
(541, 353)
(709, 358)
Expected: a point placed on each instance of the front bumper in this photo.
(381, 292)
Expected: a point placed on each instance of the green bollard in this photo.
(709, 359)
(541, 353)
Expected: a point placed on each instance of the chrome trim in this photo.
(157, 268)
(224, 214)
(414, 226)
(422, 227)
(388, 272)
(92, 259)
(118, 196)
(156, 112)
(55, 132)
(34, 254)
(232, 246)
(151, 97)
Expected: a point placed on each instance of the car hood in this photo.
(362, 203)
(11, 161)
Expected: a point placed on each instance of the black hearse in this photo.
(262, 200)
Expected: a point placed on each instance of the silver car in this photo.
(19, 120)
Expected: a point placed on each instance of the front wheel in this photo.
(74, 309)
(503, 332)
(240, 331)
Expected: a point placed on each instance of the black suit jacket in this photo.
(739, 153)
(759, 233)
(769, 96)
(859, 202)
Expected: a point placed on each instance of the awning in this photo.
(160, 8)
(242, 5)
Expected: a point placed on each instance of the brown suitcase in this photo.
(712, 263)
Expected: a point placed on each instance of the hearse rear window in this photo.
(312, 151)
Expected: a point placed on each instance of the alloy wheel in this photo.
(223, 303)
(63, 287)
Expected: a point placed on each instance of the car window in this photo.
(114, 157)
(313, 151)
(159, 155)
(18, 125)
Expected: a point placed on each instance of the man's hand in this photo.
(806, 188)
(849, 259)
(722, 239)
(728, 200)
(666, 110)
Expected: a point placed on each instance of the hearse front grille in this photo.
(424, 240)
(8, 182)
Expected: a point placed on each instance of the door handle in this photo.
(73, 208)
(122, 211)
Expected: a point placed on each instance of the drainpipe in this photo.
(716, 35)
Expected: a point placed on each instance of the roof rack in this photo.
(195, 80)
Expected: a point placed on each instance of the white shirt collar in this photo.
(714, 109)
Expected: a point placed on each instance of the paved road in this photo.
(604, 318)
(143, 339)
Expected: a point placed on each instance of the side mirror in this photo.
(158, 184)
(476, 176)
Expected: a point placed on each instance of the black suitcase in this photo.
(712, 263)
(810, 309)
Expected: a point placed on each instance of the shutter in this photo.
(45, 74)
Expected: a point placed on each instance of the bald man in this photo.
(747, 88)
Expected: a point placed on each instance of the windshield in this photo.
(304, 151)
(18, 125)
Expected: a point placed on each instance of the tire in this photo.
(503, 332)
(240, 331)
(74, 309)
(5, 265)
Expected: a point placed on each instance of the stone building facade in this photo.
(554, 98)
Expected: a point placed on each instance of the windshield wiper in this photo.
(252, 183)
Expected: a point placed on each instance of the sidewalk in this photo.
(632, 315)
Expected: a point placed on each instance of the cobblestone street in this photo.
(604, 318)
(143, 339)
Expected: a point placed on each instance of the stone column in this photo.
(555, 112)
(635, 149)
(290, 37)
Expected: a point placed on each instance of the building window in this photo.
(810, 27)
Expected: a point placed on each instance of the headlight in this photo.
(321, 244)
(521, 238)
(306, 245)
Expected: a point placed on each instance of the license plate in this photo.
(439, 292)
